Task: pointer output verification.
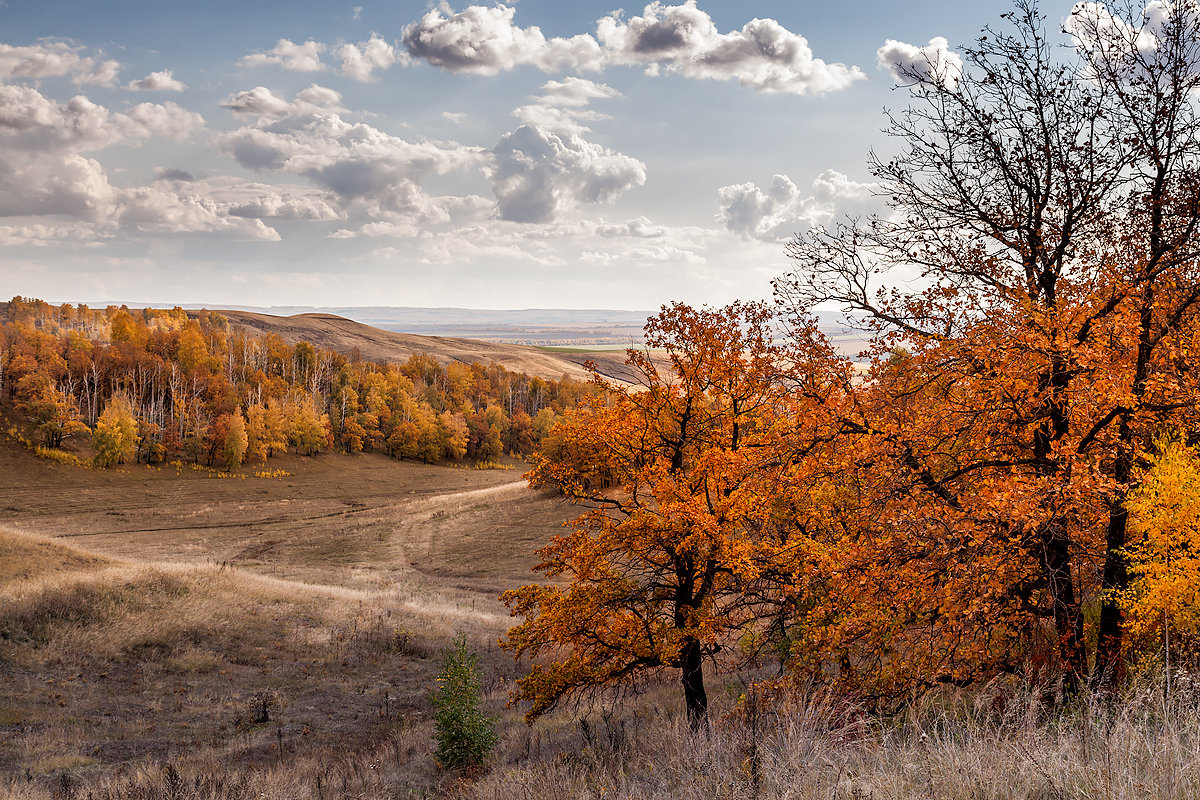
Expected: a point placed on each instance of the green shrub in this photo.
(464, 735)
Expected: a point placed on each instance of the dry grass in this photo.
(995, 746)
(111, 663)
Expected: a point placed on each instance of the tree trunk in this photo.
(693, 683)
(1068, 621)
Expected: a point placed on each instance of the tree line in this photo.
(1003, 485)
(148, 385)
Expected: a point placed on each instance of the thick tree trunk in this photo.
(1068, 621)
(693, 683)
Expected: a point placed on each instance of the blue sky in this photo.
(540, 154)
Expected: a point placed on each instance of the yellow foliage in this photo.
(1164, 546)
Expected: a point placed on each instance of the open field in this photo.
(149, 613)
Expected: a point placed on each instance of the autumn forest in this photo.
(152, 385)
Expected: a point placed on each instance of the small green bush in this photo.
(465, 737)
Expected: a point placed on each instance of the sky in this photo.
(540, 154)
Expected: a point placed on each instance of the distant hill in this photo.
(559, 327)
(374, 344)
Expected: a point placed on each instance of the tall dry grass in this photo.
(993, 745)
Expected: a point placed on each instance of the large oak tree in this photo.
(1048, 198)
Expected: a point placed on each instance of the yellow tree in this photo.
(1164, 547)
(235, 440)
(677, 474)
(115, 438)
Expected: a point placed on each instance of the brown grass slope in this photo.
(115, 661)
(343, 335)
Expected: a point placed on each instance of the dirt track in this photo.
(363, 520)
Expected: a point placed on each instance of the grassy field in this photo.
(154, 614)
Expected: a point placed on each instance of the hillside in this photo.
(374, 344)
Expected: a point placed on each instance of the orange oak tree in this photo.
(1052, 207)
(666, 569)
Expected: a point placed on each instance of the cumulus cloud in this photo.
(361, 165)
(539, 173)
(682, 39)
(162, 81)
(763, 55)
(44, 170)
(1105, 37)
(781, 210)
(263, 201)
(50, 59)
(49, 235)
(483, 40)
(263, 102)
(159, 209)
(68, 185)
(289, 55)
(32, 122)
(934, 64)
(546, 166)
(359, 61)
(561, 105)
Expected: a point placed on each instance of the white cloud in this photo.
(457, 117)
(360, 60)
(576, 92)
(319, 97)
(69, 185)
(1102, 35)
(546, 166)
(763, 54)
(162, 81)
(561, 105)
(159, 119)
(160, 210)
(539, 173)
(254, 200)
(363, 166)
(934, 64)
(403, 230)
(263, 102)
(781, 210)
(289, 55)
(49, 59)
(104, 74)
(259, 101)
(484, 41)
(43, 171)
(50, 235)
(32, 122)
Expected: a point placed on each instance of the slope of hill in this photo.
(373, 344)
